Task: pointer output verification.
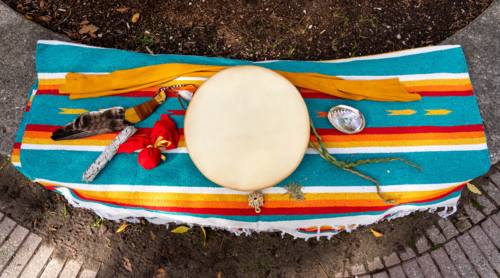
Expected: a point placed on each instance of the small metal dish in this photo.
(346, 119)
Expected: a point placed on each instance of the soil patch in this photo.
(150, 247)
(255, 30)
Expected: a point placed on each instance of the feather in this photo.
(93, 123)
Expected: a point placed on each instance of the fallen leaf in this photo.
(41, 4)
(72, 251)
(205, 236)
(47, 19)
(376, 234)
(143, 222)
(310, 39)
(473, 188)
(84, 22)
(28, 17)
(152, 235)
(88, 29)
(122, 10)
(127, 264)
(94, 36)
(122, 228)
(162, 273)
(135, 17)
(52, 229)
(219, 275)
(36, 222)
(20, 6)
(172, 252)
(180, 230)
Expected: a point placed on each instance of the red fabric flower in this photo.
(164, 136)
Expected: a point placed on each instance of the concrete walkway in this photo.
(23, 255)
(460, 249)
(480, 40)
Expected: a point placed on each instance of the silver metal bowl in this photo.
(346, 119)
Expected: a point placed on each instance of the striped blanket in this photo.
(442, 133)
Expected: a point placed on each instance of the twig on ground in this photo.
(221, 243)
(48, 6)
(4, 165)
(149, 50)
(273, 8)
(323, 270)
(83, 39)
(60, 21)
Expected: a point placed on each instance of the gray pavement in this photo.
(18, 37)
(480, 41)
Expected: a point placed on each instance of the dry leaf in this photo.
(52, 229)
(122, 10)
(127, 264)
(180, 230)
(36, 222)
(205, 236)
(122, 228)
(219, 275)
(162, 273)
(28, 17)
(473, 188)
(47, 19)
(88, 29)
(20, 6)
(135, 17)
(72, 251)
(41, 4)
(376, 234)
(94, 36)
(152, 235)
(310, 39)
(84, 22)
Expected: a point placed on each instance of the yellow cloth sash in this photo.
(122, 81)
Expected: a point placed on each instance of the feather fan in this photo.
(93, 123)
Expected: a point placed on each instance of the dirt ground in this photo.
(250, 30)
(152, 247)
(255, 30)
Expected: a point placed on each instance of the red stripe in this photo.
(148, 94)
(324, 131)
(267, 211)
(308, 94)
(17, 145)
(447, 94)
(27, 108)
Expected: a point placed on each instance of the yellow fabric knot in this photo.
(159, 144)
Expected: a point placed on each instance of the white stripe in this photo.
(409, 77)
(83, 148)
(405, 149)
(51, 42)
(272, 190)
(381, 56)
(62, 75)
(16, 164)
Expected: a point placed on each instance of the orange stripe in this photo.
(439, 88)
(399, 137)
(16, 152)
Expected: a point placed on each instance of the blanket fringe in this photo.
(248, 232)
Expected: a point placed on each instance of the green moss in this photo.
(477, 205)
(411, 244)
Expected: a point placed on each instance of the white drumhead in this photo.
(247, 128)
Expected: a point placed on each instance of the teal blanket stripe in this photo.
(82, 60)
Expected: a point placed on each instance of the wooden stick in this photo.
(273, 8)
(221, 243)
(323, 270)
(65, 14)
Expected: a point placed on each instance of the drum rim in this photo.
(260, 187)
